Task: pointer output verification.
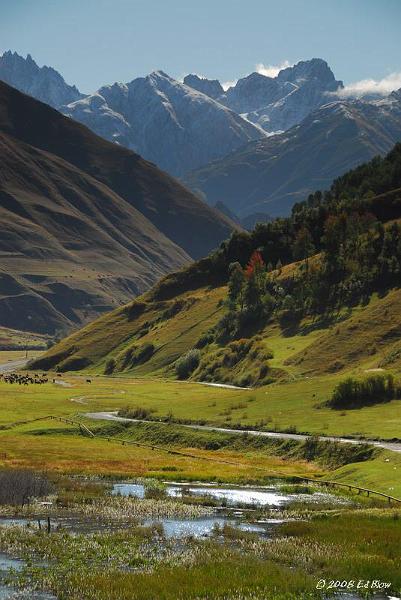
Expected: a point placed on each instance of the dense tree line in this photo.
(360, 256)
(354, 208)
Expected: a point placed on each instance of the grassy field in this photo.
(297, 405)
(25, 354)
(54, 446)
(13, 339)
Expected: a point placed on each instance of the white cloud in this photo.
(382, 87)
(272, 70)
(227, 84)
(267, 70)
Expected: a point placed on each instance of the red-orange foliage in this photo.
(256, 263)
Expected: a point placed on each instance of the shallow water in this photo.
(232, 496)
(203, 527)
(7, 591)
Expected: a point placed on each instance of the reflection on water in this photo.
(7, 591)
(203, 527)
(232, 496)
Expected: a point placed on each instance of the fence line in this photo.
(86, 431)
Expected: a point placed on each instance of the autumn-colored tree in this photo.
(255, 265)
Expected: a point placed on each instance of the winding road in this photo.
(12, 365)
(113, 416)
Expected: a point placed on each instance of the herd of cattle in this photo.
(23, 378)
(27, 379)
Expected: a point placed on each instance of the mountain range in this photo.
(271, 175)
(43, 83)
(165, 121)
(254, 148)
(275, 103)
(85, 223)
(181, 126)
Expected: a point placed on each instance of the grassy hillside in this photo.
(70, 248)
(329, 310)
(170, 207)
(358, 338)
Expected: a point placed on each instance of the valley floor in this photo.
(24, 441)
(120, 551)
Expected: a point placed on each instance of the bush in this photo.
(352, 393)
(75, 363)
(138, 355)
(205, 340)
(110, 366)
(154, 490)
(19, 487)
(144, 353)
(135, 309)
(138, 412)
(187, 363)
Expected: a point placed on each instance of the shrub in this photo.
(75, 363)
(110, 366)
(155, 490)
(138, 355)
(137, 412)
(204, 340)
(187, 363)
(354, 393)
(135, 309)
(19, 487)
(144, 353)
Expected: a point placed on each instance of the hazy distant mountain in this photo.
(276, 103)
(43, 83)
(210, 87)
(85, 224)
(270, 175)
(165, 121)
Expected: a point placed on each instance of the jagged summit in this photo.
(316, 68)
(173, 125)
(43, 83)
(210, 87)
(276, 103)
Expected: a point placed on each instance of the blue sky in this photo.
(93, 42)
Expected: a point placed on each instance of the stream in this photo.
(237, 506)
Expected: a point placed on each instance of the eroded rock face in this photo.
(270, 175)
(43, 83)
(167, 122)
(210, 87)
(278, 103)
